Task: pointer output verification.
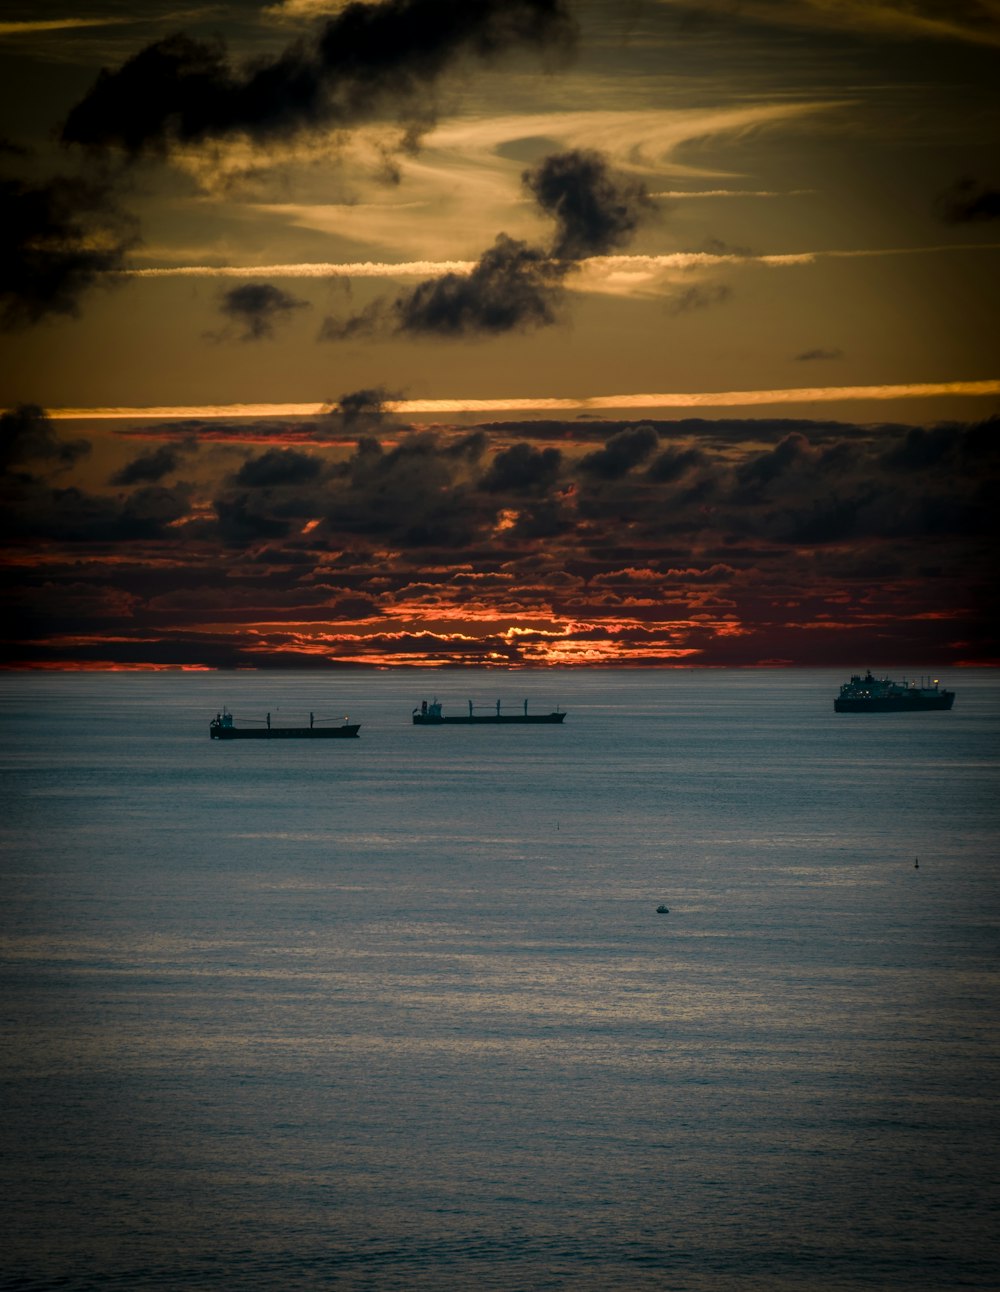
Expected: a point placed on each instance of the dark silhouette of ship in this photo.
(870, 694)
(223, 727)
(431, 715)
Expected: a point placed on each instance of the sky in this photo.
(513, 333)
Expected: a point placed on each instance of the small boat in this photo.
(431, 715)
(663, 910)
(870, 694)
(223, 727)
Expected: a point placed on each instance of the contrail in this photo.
(426, 268)
(308, 269)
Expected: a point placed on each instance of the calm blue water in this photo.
(399, 1013)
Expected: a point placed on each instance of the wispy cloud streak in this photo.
(32, 26)
(598, 264)
(689, 399)
(891, 19)
(311, 269)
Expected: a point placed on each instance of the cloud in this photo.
(62, 236)
(789, 453)
(416, 494)
(35, 511)
(584, 404)
(968, 201)
(744, 537)
(257, 309)
(363, 409)
(27, 437)
(699, 298)
(241, 518)
(614, 273)
(673, 463)
(621, 453)
(311, 269)
(514, 286)
(965, 20)
(808, 356)
(278, 467)
(297, 9)
(30, 27)
(962, 449)
(522, 469)
(595, 210)
(150, 468)
(365, 63)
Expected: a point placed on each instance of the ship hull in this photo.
(491, 719)
(285, 733)
(894, 704)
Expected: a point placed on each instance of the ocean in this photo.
(400, 1012)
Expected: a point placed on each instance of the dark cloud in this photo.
(363, 409)
(242, 518)
(256, 310)
(150, 468)
(968, 201)
(512, 287)
(699, 298)
(586, 427)
(543, 518)
(374, 318)
(808, 356)
(27, 437)
(786, 456)
(149, 512)
(73, 515)
(595, 210)
(468, 448)
(515, 286)
(278, 467)
(522, 469)
(621, 453)
(417, 494)
(718, 247)
(61, 237)
(836, 459)
(971, 449)
(796, 529)
(368, 62)
(674, 463)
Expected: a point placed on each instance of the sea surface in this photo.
(399, 1013)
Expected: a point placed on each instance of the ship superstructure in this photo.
(871, 694)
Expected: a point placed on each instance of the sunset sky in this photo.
(500, 332)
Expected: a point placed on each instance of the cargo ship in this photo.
(870, 694)
(431, 715)
(223, 727)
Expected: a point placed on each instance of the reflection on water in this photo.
(400, 1013)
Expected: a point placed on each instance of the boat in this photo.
(223, 727)
(870, 694)
(663, 910)
(432, 715)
